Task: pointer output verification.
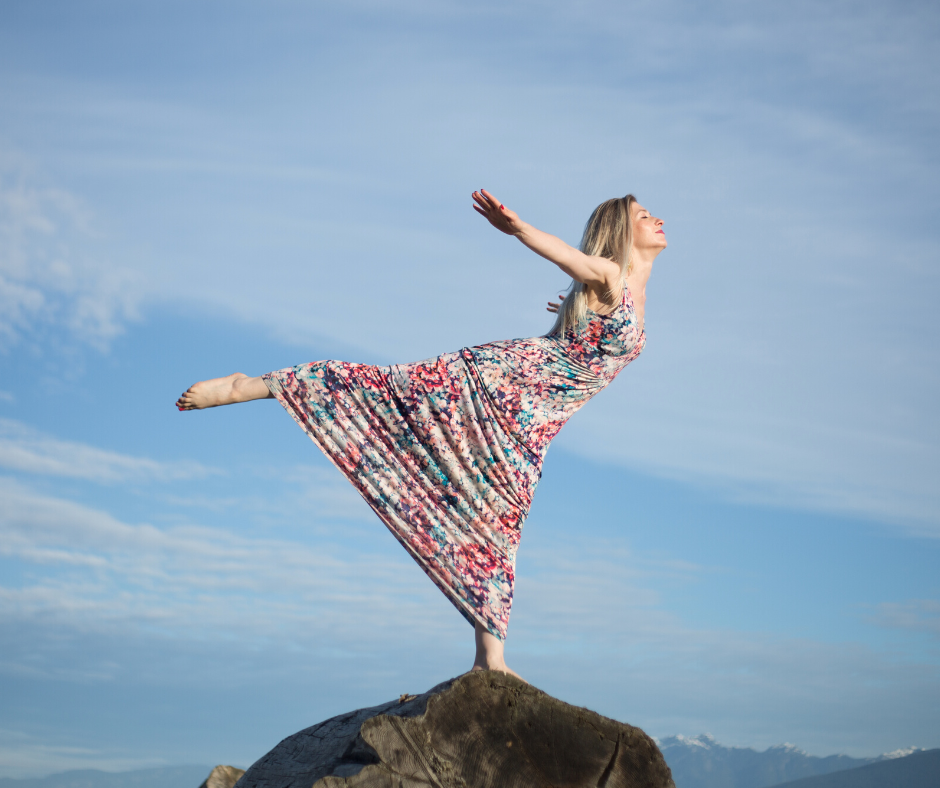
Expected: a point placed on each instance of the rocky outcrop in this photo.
(481, 730)
(222, 777)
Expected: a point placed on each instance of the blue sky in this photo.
(740, 536)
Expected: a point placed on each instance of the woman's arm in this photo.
(595, 272)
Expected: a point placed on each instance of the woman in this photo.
(448, 451)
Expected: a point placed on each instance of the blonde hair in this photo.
(608, 233)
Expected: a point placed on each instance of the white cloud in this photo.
(27, 450)
(783, 365)
(50, 274)
(112, 575)
(783, 382)
(580, 614)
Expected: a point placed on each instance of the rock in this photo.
(481, 730)
(222, 777)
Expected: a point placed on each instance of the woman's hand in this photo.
(553, 307)
(496, 213)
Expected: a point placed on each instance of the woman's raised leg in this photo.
(490, 652)
(223, 391)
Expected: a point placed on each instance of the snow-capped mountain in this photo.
(903, 753)
(702, 762)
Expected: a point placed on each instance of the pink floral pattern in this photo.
(448, 451)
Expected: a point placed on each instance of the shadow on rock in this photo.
(480, 730)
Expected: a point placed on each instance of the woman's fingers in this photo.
(488, 202)
(481, 200)
(496, 205)
(495, 212)
(481, 206)
(491, 199)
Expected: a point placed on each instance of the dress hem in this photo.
(466, 610)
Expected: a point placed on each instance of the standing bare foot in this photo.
(504, 668)
(210, 393)
(489, 654)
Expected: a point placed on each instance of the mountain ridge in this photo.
(920, 769)
(703, 762)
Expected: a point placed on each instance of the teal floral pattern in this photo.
(448, 451)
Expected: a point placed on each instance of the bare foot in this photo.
(489, 654)
(504, 668)
(210, 393)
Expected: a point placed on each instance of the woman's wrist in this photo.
(523, 230)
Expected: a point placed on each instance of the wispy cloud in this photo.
(89, 577)
(325, 491)
(764, 389)
(781, 460)
(671, 676)
(27, 450)
(918, 615)
(49, 274)
(22, 755)
(110, 574)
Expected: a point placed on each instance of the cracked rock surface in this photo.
(481, 730)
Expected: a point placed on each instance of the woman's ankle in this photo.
(489, 650)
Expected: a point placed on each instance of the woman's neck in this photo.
(638, 277)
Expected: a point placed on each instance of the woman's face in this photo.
(647, 229)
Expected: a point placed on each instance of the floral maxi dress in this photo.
(448, 451)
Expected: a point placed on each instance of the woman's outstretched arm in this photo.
(595, 272)
(223, 391)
